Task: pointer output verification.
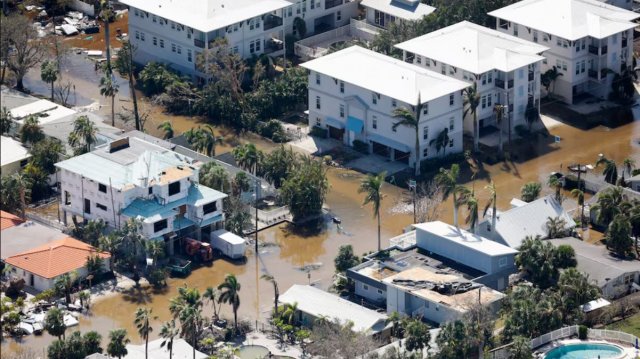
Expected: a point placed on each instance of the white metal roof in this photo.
(595, 304)
(405, 10)
(46, 111)
(207, 15)
(317, 303)
(464, 238)
(475, 48)
(385, 75)
(569, 19)
(12, 151)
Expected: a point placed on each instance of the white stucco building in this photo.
(133, 178)
(588, 41)
(505, 68)
(354, 92)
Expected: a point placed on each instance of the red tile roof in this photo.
(56, 258)
(8, 220)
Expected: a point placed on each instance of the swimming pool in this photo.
(252, 352)
(586, 351)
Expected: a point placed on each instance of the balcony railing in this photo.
(198, 43)
(332, 3)
(499, 83)
(272, 21)
(273, 45)
(603, 50)
(594, 50)
(510, 83)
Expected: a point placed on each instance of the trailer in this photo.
(228, 244)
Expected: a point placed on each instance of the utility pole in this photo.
(256, 205)
(413, 186)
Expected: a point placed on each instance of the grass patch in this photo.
(630, 325)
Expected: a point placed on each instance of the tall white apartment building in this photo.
(354, 92)
(588, 41)
(132, 178)
(505, 68)
(176, 32)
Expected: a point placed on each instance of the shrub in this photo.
(317, 131)
(434, 164)
(582, 332)
(361, 146)
(157, 277)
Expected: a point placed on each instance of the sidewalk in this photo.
(259, 338)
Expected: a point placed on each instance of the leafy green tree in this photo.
(110, 88)
(345, 259)
(215, 176)
(118, 341)
(94, 264)
(49, 73)
(167, 130)
(610, 170)
(520, 348)
(530, 313)
(240, 183)
(75, 346)
(237, 216)
(618, 235)
(448, 180)
(63, 284)
(231, 294)
(549, 78)
(610, 202)
(530, 191)
(6, 121)
(154, 250)
(305, 189)
(142, 318)
(187, 308)
(37, 180)
(54, 323)
(278, 164)
(453, 341)
(168, 331)
(27, 50)
(111, 243)
(411, 119)
(203, 140)
(418, 336)
(541, 261)
(11, 321)
(90, 232)
(248, 157)
(57, 350)
(471, 103)
(15, 193)
(83, 136)
(556, 227)
(565, 256)
(211, 294)
(46, 153)
(371, 186)
(576, 289)
(31, 131)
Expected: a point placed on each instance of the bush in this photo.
(361, 146)
(157, 277)
(434, 164)
(582, 332)
(317, 131)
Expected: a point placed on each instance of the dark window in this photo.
(101, 206)
(210, 207)
(87, 206)
(150, 190)
(160, 225)
(67, 198)
(102, 188)
(174, 188)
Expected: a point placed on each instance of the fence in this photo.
(554, 335)
(597, 334)
(271, 216)
(46, 221)
(318, 45)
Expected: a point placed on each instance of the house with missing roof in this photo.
(589, 41)
(313, 303)
(131, 178)
(616, 277)
(437, 272)
(40, 266)
(505, 69)
(354, 104)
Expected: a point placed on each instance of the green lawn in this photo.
(630, 325)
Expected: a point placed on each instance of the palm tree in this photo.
(493, 199)
(610, 170)
(556, 227)
(106, 13)
(472, 101)
(211, 294)
(372, 186)
(15, 192)
(289, 313)
(634, 220)
(629, 164)
(610, 203)
(64, 283)
(472, 207)
(155, 250)
(448, 180)
(167, 129)
(31, 131)
(49, 73)
(530, 191)
(498, 111)
(6, 121)
(248, 157)
(142, 317)
(276, 291)
(168, 331)
(555, 183)
(83, 135)
(187, 307)
(412, 120)
(579, 196)
(231, 294)
(109, 88)
(549, 78)
(441, 141)
(118, 341)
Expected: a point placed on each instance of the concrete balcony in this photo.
(272, 21)
(598, 51)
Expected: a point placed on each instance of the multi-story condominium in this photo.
(588, 41)
(354, 92)
(176, 32)
(505, 69)
(382, 13)
(132, 178)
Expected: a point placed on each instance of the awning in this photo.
(181, 223)
(354, 124)
(389, 143)
(334, 122)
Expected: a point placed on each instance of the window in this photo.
(150, 190)
(425, 152)
(374, 98)
(252, 47)
(137, 34)
(313, 4)
(558, 64)
(154, 18)
(155, 41)
(379, 291)
(101, 206)
(451, 100)
(443, 69)
(102, 188)
(161, 43)
(173, 25)
(394, 128)
(179, 49)
(67, 198)
(160, 225)
(318, 102)
(484, 101)
(558, 42)
(394, 103)
(418, 60)
(425, 132)
(490, 77)
(317, 79)
(502, 262)
(425, 109)
(173, 47)
(535, 35)
(189, 56)
(341, 86)
(564, 65)
(258, 45)
(318, 121)
(174, 188)
(339, 15)
(342, 111)
(489, 100)
(484, 79)
(515, 29)
(87, 206)
(142, 36)
(451, 124)
(450, 143)
(210, 207)
(365, 287)
(578, 68)
(374, 122)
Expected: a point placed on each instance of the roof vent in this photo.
(118, 145)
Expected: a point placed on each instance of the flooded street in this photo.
(288, 251)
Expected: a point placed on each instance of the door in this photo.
(31, 280)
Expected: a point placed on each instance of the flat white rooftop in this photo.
(385, 75)
(464, 238)
(475, 48)
(208, 15)
(402, 9)
(12, 151)
(45, 110)
(569, 19)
